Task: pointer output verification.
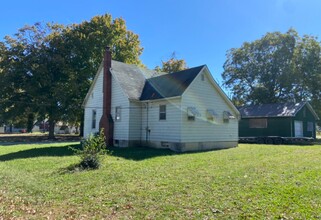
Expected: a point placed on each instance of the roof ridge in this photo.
(178, 72)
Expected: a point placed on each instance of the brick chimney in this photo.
(106, 120)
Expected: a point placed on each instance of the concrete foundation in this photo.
(176, 146)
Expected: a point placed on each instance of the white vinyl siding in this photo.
(135, 121)
(162, 130)
(204, 96)
(118, 99)
(94, 102)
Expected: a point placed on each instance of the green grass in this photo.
(250, 181)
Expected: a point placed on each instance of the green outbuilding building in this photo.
(278, 119)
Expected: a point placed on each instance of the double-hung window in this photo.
(93, 119)
(162, 112)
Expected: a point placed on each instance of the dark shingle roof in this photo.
(132, 78)
(169, 85)
(271, 110)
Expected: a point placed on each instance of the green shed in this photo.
(278, 119)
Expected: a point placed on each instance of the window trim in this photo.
(162, 112)
(192, 113)
(227, 116)
(211, 115)
(117, 113)
(258, 123)
(93, 119)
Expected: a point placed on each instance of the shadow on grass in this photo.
(139, 153)
(40, 152)
(132, 153)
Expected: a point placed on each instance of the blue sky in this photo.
(199, 31)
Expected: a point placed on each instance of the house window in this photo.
(310, 126)
(117, 113)
(93, 120)
(162, 112)
(227, 116)
(192, 112)
(210, 114)
(304, 112)
(203, 77)
(258, 123)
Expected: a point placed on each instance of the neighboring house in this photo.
(183, 111)
(282, 119)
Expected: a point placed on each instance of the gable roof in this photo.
(131, 78)
(139, 83)
(169, 85)
(274, 110)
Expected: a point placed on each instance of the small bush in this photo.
(92, 149)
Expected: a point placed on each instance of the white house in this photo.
(183, 111)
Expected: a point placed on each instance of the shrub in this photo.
(92, 149)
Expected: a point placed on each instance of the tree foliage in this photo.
(172, 65)
(279, 67)
(46, 70)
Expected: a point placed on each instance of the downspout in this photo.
(147, 123)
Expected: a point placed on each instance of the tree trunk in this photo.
(81, 129)
(30, 122)
(51, 128)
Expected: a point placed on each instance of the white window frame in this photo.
(211, 114)
(227, 116)
(93, 119)
(162, 112)
(192, 113)
(117, 113)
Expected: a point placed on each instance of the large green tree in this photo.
(85, 44)
(279, 67)
(47, 69)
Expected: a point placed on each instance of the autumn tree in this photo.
(172, 65)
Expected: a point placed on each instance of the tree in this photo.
(34, 74)
(172, 65)
(276, 68)
(85, 45)
(47, 69)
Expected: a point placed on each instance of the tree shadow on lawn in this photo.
(140, 153)
(40, 152)
(130, 153)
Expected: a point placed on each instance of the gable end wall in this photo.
(203, 95)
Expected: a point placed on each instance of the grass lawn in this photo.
(250, 181)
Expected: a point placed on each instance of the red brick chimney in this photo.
(106, 120)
